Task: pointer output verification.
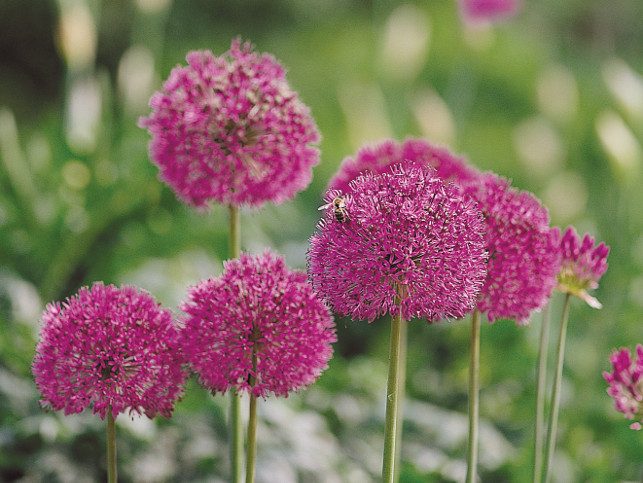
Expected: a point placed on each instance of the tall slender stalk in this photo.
(252, 425)
(402, 390)
(236, 426)
(234, 248)
(252, 440)
(555, 395)
(392, 400)
(474, 402)
(540, 395)
(111, 448)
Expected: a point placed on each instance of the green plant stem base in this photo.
(555, 395)
(112, 476)
(392, 401)
(474, 404)
(236, 426)
(539, 433)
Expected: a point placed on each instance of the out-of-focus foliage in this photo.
(552, 99)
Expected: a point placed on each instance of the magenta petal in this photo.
(582, 264)
(523, 255)
(257, 304)
(229, 129)
(625, 384)
(404, 230)
(109, 347)
(379, 158)
(475, 10)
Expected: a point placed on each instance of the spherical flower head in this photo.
(230, 129)
(582, 265)
(109, 348)
(488, 10)
(407, 236)
(382, 156)
(257, 328)
(523, 254)
(626, 384)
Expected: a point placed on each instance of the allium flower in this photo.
(229, 129)
(582, 266)
(406, 234)
(380, 157)
(109, 347)
(626, 384)
(257, 309)
(523, 254)
(476, 10)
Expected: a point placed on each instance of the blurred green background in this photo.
(552, 98)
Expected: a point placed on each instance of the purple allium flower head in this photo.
(482, 10)
(229, 129)
(380, 157)
(582, 266)
(109, 347)
(257, 306)
(626, 384)
(406, 234)
(523, 250)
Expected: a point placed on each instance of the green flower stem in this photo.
(235, 233)
(236, 437)
(111, 448)
(555, 395)
(540, 395)
(236, 426)
(402, 390)
(392, 400)
(252, 440)
(252, 424)
(474, 401)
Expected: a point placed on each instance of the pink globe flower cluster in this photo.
(405, 239)
(626, 384)
(380, 157)
(523, 250)
(111, 349)
(258, 328)
(481, 10)
(229, 129)
(582, 266)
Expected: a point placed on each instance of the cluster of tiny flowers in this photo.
(257, 328)
(405, 236)
(523, 250)
(380, 157)
(476, 10)
(582, 265)
(109, 348)
(626, 384)
(230, 129)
